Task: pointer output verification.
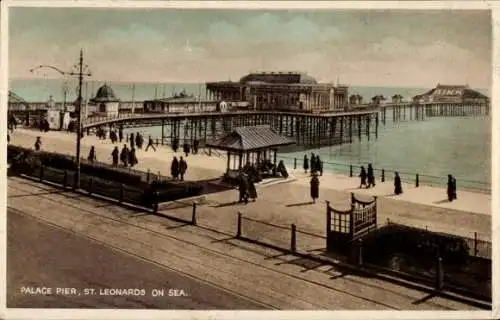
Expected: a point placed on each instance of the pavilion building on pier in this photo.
(292, 91)
(452, 94)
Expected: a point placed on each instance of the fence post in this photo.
(383, 175)
(193, 217)
(65, 183)
(359, 259)
(122, 191)
(238, 226)
(148, 177)
(90, 186)
(41, 173)
(439, 273)
(293, 244)
(350, 170)
(156, 200)
(475, 244)
(416, 181)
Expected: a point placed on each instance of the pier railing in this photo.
(383, 174)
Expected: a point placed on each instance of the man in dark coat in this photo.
(450, 188)
(140, 141)
(174, 168)
(120, 133)
(150, 144)
(243, 188)
(319, 165)
(362, 175)
(186, 148)
(131, 140)
(370, 176)
(313, 163)
(38, 143)
(314, 187)
(124, 155)
(454, 189)
(92, 156)
(196, 143)
(306, 163)
(132, 158)
(398, 188)
(252, 191)
(115, 154)
(175, 145)
(182, 168)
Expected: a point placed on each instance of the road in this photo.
(41, 255)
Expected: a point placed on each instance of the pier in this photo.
(308, 129)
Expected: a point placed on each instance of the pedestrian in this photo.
(362, 175)
(454, 193)
(182, 168)
(314, 187)
(175, 145)
(113, 136)
(196, 144)
(186, 148)
(38, 143)
(398, 188)
(120, 134)
(313, 163)
(370, 176)
(115, 155)
(252, 191)
(137, 139)
(140, 143)
(92, 156)
(306, 163)
(319, 165)
(131, 140)
(132, 158)
(124, 155)
(174, 169)
(449, 189)
(243, 188)
(150, 144)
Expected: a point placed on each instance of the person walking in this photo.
(124, 155)
(114, 156)
(362, 175)
(454, 189)
(186, 149)
(319, 165)
(305, 165)
(313, 163)
(196, 144)
(398, 188)
(314, 187)
(252, 191)
(243, 188)
(370, 176)
(120, 133)
(131, 140)
(449, 189)
(175, 145)
(132, 158)
(38, 143)
(182, 168)
(92, 156)
(150, 144)
(174, 168)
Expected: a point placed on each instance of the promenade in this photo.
(266, 277)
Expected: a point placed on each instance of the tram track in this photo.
(46, 194)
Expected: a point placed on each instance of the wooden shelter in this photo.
(252, 144)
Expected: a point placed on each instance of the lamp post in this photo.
(80, 73)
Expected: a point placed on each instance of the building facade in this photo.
(452, 94)
(180, 103)
(280, 91)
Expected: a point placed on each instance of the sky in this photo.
(374, 48)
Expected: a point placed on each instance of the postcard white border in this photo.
(249, 5)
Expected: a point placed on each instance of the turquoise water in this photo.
(434, 147)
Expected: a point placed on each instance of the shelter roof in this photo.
(105, 94)
(15, 98)
(251, 138)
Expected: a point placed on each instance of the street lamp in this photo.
(80, 73)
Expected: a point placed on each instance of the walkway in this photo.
(254, 273)
(202, 166)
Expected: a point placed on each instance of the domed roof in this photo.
(105, 94)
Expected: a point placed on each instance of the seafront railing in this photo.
(382, 174)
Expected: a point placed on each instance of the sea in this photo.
(432, 148)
